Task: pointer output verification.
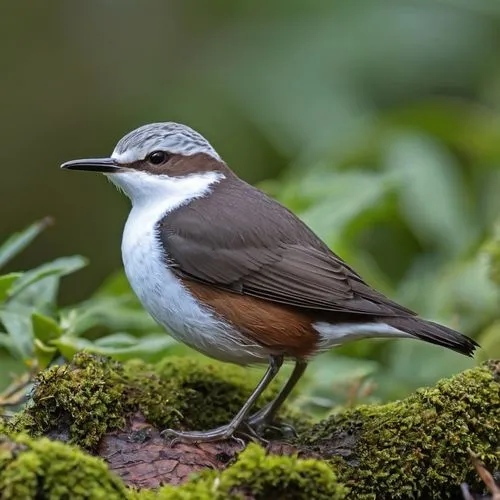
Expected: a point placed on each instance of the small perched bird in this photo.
(234, 274)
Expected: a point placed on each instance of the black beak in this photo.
(104, 165)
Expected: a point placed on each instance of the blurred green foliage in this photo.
(377, 122)
(35, 331)
(413, 208)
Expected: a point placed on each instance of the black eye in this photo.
(157, 157)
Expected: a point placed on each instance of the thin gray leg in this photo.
(227, 431)
(265, 416)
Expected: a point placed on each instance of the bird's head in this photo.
(158, 159)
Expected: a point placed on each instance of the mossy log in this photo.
(91, 430)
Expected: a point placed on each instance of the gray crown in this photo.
(168, 136)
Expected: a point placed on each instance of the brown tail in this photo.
(434, 333)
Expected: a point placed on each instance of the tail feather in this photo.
(434, 333)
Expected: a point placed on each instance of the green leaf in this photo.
(464, 290)
(117, 340)
(414, 364)
(432, 194)
(119, 346)
(7, 343)
(492, 248)
(19, 241)
(59, 267)
(6, 281)
(17, 323)
(9, 366)
(489, 340)
(41, 295)
(45, 328)
(115, 285)
(337, 199)
(328, 379)
(44, 354)
(113, 313)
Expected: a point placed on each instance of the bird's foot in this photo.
(262, 423)
(257, 428)
(222, 433)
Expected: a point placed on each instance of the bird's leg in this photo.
(227, 431)
(264, 417)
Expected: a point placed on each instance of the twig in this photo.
(15, 393)
(485, 476)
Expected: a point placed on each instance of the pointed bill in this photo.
(103, 165)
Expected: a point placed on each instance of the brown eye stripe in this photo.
(180, 165)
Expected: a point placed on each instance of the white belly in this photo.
(164, 296)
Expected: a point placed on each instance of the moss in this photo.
(50, 470)
(81, 401)
(418, 447)
(218, 389)
(40, 468)
(258, 475)
(94, 395)
(415, 448)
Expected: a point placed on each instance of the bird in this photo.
(235, 275)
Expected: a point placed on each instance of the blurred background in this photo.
(376, 122)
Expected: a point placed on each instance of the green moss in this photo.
(44, 469)
(81, 401)
(94, 395)
(258, 475)
(218, 390)
(418, 447)
(415, 448)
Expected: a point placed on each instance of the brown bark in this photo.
(142, 458)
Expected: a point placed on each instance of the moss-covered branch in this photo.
(93, 396)
(415, 448)
(418, 446)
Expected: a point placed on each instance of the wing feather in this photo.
(273, 258)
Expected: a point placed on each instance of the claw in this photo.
(170, 432)
(262, 422)
(240, 442)
(173, 442)
(252, 434)
(167, 432)
(286, 430)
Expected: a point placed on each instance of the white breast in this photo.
(160, 291)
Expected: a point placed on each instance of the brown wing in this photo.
(254, 246)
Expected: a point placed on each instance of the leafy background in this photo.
(376, 122)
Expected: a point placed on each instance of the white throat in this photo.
(162, 193)
(162, 294)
